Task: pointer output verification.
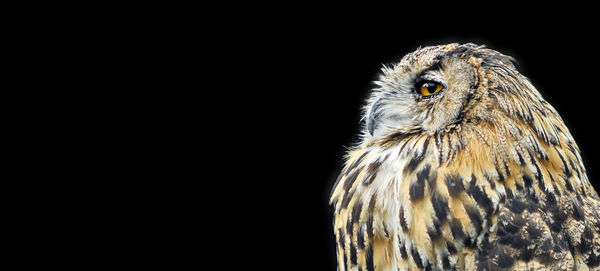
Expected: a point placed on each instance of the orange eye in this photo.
(429, 88)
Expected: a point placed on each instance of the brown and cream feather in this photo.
(482, 175)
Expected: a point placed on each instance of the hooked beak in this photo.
(373, 116)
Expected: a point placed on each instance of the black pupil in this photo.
(431, 87)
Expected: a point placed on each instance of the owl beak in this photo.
(372, 118)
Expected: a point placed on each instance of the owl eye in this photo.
(428, 88)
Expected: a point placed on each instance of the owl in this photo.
(462, 165)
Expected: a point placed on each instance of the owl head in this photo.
(439, 88)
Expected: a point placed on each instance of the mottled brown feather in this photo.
(486, 176)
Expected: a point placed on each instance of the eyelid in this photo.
(433, 80)
(429, 77)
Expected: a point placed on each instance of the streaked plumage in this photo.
(483, 175)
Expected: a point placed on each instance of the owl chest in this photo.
(399, 208)
(399, 196)
(421, 213)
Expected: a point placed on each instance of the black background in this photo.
(304, 85)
